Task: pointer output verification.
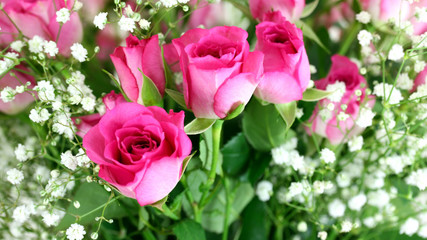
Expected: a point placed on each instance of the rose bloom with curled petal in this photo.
(286, 67)
(38, 17)
(290, 9)
(219, 72)
(345, 71)
(140, 150)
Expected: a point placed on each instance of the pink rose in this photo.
(92, 7)
(386, 9)
(22, 100)
(219, 72)
(325, 122)
(139, 55)
(420, 79)
(85, 123)
(290, 9)
(285, 60)
(39, 18)
(107, 39)
(140, 150)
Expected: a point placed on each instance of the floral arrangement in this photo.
(204, 120)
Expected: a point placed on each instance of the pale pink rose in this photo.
(339, 13)
(107, 39)
(286, 68)
(219, 72)
(92, 7)
(342, 70)
(385, 9)
(38, 17)
(420, 79)
(139, 55)
(85, 123)
(140, 150)
(290, 9)
(22, 100)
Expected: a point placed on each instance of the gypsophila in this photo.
(126, 24)
(7, 94)
(169, 3)
(79, 52)
(144, 24)
(404, 82)
(418, 178)
(63, 15)
(327, 156)
(69, 160)
(336, 208)
(394, 96)
(75, 232)
(264, 190)
(396, 52)
(21, 213)
(36, 44)
(363, 17)
(355, 143)
(337, 89)
(346, 226)
(365, 117)
(100, 20)
(50, 219)
(410, 227)
(322, 235)
(22, 153)
(88, 104)
(39, 115)
(50, 48)
(357, 202)
(419, 66)
(364, 38)
(46, 91)
(17, 45)
(14, 176)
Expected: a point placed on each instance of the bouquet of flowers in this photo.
(205, 120)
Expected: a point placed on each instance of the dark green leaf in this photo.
(263, 126)
(235, 154)
(177, 97)
(255, 221)
(198, 125)
(313, 95)
(150, 94)
(287, 111)
(189, 230)
(309, 33)
(309, 8)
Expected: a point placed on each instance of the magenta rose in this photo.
(219, 72)
(290, 9)
(140, 150)
(420, 79)
(286, 68)
(139, 55)
(39, 18)
(349, 88)
(85, 123)
(22, 100)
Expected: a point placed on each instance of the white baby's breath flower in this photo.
(404, 82)
(355, 143)
(36, 44)
(79, 52)
(410, 227)
(346, 226)
(357, 202)
(336, 208)
(364, 38)
(50, 48)
(396, 52)
(63, 15)
(338, 89)
(75, 232)
(50, 219)
(365, 117)
(21, 214)
(363, 17)
(264, 190)
(88, 104)
(327, 155)
(100, 20)
(322, 235)
(14, 176)
(22, 153)
(39, 115)
(17, 45)
(77, 6)
(126, 24)
(169, 3)
(69, 160)
(144, 24)
(7, 94)
(419, 66)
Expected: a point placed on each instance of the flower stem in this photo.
(216, 139)
(228, 200)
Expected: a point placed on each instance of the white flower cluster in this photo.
(73, 161)
(388, 92)
(39, 45)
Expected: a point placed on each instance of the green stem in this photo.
(216, 139)
(228, 199)
(278, 235)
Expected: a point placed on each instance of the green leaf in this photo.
(309, 8)
(309, 33)
(257, 167)
(214, 213)
(91, 196)
(198, 126)
(263, 126)
(235, 154)
(177, 97)
(117, 84)
(159, 204)
(142, 217)
(186, 161)
(287, 111)
(255, 223)
(236, 112)
(189, 230)
(149, 93)
(313, 95)
(168, 73)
